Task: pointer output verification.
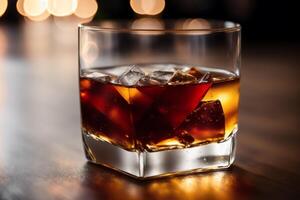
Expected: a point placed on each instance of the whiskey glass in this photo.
(159, 97)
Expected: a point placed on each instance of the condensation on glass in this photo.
(159, 97)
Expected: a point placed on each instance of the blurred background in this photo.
(55, 21)
(261, 20)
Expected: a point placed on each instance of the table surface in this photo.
(41, 155)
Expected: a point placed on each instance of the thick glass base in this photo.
(161, 163)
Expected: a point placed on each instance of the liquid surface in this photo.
(159, 106)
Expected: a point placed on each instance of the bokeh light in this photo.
(195, 24)
(86, 8)
(153, 7)
(41, 17)
(147, 23)
(62, 7)
(3, 7)
(147, 7)
(35, 7)
(20, 7)
(39, 10)
(136, 6)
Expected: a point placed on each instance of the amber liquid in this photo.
(158, 117)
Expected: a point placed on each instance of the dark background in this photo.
(262, 21)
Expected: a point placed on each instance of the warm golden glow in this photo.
(135, 93)
(136, 6)
(228, 94)
(153, 7)
(35, 7)
(168, 143)
(85, 84)
(62, 7)
(147, 7)
(224, 185)
(20, 7)
(108, 24)
(147, 23)
(218, 185)
(124, 92)
(197, 24)
(3, 7)
(86, 8)
(38, 10)
(41, 17)
(130, 94)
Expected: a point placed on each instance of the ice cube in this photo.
(184, 68)
(99, 76)
(205, 78)
(180, 77)
(177, 102)
(131, 76)
(112, 105)
(200, 76)
(206, 122)
(185, 138)
(146, 80)
(164, 67)
(194, 72)
(161, 76)
(169, 67)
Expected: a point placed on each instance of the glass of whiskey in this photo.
(157, 97)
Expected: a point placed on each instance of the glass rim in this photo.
(228, 26)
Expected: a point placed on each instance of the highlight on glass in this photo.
(160, 98)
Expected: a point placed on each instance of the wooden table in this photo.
(41, 155)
